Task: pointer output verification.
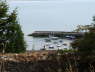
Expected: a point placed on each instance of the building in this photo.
(53, 40)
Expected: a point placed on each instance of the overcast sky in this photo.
(53, 15)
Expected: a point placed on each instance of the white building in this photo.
(53, 40)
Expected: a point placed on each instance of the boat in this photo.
(54, 38)
(70, 37)
(47, 40)
(55, 42)
(58, 45)
(60, 41)
(65, 44)
(51, 47)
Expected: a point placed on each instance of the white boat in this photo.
(58, 45)
(54, 38)
(70, 37)
(51, 47)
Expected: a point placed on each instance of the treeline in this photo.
(11, 35)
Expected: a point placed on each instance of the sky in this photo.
(53, 15)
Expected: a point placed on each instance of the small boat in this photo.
(51, 47)
(54, 38)
(65, 44)
(55, 42)
(58, 45)
(47, 40)
(43, 49)
(47, 44)
(70, 37)
(60, 41)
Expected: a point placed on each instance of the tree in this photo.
(11, 35)
(86, 45)
(82, 28)
(86, 49)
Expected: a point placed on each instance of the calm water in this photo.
(39, 43)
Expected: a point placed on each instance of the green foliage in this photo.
(11, 35)
(86, 45)
(66, 51)
(3, 9)
(69, 50)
